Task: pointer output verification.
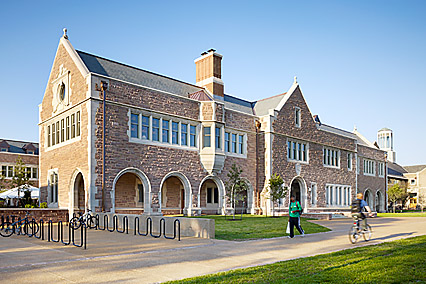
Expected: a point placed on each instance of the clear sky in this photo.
(358, 62)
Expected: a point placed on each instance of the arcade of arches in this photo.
(129, 194)
(79, 193)
(172, 196)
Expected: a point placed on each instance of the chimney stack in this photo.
(209, 72)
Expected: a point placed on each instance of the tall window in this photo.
(331, 157)
(381, 169)
(35, 173)
(314, 194)
(140, 193)
(166, 131)
(54, 188)
(155, 129)
(57, 132)
(175, 132)
(297, 116)
(240, 144)
(206, 136)
(4, 171)
(134, 127)
(234, 143)
(218, 138)
(193, 136)
(62, 130)
(145, 127)
(53, 134)
(72, 126)
(212, 195)
(227, 141)
(48, 136)
(369, 167)
(10, 171)
(350, 161)
(67, 120)
(297, 151)
(78, 123)
(184, 134)
(338, 195)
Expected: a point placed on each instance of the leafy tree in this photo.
(276, 189)
(235, 186)
(395, 194)
(20, 177)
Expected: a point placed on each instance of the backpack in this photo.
(301, 208)
(356, 206)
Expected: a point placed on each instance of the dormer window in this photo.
(3, 150)
(297, 116)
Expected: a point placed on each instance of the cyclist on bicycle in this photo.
(357, 209)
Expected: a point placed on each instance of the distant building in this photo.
(385, 142)
(169, 145)
(416, 176)
(10, 150)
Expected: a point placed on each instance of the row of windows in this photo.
(234, 143)
(297, 151)
(9, 172)
(338, 195)
(369, 167)
(331, 157)
(162, 130)
(65, 129)
(381, 169)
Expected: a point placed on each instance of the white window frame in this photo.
(349, 161)
(291, 151)
(64, 137)
(237, 144)
(338, 195)
(331, 153)
(314, 194)
(52, 191)
(369, 167)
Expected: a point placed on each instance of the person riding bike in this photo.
(357, 209)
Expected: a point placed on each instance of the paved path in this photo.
(113, 257)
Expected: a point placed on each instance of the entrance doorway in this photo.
(172, 196)
(79, 193)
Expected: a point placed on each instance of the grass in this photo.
(401, 261)
(413, 214)
(257, 227)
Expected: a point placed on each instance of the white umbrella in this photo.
(13, 193)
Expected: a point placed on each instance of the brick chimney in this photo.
(209, 72)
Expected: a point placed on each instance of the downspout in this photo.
(386, 182)
(257, 203)
(104, 87)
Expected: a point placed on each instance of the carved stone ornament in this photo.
(298, 169)
(61, 90)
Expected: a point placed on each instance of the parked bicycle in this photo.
(22, 226)
(356, 231)
(86, 218)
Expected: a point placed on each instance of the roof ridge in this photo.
(270, 97)
(137, 68)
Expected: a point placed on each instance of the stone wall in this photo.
(37, 213)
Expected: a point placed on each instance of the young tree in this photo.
(276, 190)
(20, 177)
(396, 193)
(235, 186)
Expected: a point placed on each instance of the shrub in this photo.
(27, 205)
(43, 205)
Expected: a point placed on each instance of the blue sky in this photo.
(358, 62)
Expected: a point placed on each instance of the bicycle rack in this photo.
(137, 227)
(41, 230)
(125, 224)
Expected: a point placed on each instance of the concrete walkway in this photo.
(113, 257)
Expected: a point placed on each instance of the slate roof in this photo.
(262, 107)
(414, 169)
(113, 69)
(238, 104)
(19, 147)
(395, 169)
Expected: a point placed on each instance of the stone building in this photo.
(416, 188)
(10, 151)
(118, 138)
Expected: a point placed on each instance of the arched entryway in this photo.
(380, 202)
(211, 195)
(298, 190)
(131, 192)
(368, 197)
(175, 194)
(79, 193)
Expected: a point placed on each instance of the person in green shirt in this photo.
(294, 212)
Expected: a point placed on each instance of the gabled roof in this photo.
(20, 147)
(362, 140)
(414, 169)
(123, 72)
(395, 169)
(337, 131)
(262, 107)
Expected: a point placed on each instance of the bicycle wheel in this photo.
(353, 235)
(75, 223)
(32, 228)
(7, 229)
(91, 222)
(367, 234)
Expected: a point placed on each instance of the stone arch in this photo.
(221, 189)
(146, 188)
(369, 198)
(78, 195)
(299, 189)
(250, 197)
(187, 191)
(380, 201)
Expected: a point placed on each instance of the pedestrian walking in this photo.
(294, 211)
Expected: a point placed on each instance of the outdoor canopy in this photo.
(13, 193)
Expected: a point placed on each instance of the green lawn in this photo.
(400, 261)
(413, 214)
(257, 227)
